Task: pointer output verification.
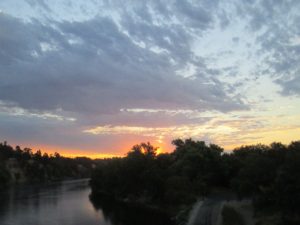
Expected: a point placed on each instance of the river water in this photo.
(68, 203)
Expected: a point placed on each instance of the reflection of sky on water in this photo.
(68, 203)
(65, 203)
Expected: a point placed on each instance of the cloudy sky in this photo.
(95, 77)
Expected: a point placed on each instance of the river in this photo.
(68, 203)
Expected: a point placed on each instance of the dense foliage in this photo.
(22, 165)
(174, 178)
(270, 175)
(231, 216)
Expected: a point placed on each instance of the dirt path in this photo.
(209, 211)
(205, 212)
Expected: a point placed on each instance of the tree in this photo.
(4, 177)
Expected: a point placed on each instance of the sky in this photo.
(96, 77)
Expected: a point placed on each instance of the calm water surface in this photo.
(68, 203)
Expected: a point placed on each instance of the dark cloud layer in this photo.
(93, 67)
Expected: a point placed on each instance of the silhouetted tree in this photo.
(270, 175)
(40, 167)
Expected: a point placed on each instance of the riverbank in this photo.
(140, 204)
(19, 166)
(156, 215)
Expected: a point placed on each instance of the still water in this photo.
(68, 203)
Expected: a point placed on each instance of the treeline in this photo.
(22, 165)
(269, 175)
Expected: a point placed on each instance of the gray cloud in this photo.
(100, 72)
(197, 15)
(290, 87)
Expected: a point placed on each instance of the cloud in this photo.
(292, 86)
(20, 112)
(110, 65)
(84, 66)
(197, 15)
(38, 3)
(276, 34)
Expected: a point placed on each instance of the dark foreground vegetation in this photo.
(123, 213)
(269, 175)
(230, 216)
(22, 165)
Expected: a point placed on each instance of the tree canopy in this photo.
(269, 174)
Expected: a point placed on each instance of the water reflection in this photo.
(123, 214)
(64, 203)
(67, 203)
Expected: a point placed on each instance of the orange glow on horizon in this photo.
(73, 153)
(93, 154)
(159, 151)
(284, 135)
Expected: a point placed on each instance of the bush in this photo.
(4, 177)
(231, 216)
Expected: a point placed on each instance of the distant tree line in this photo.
(269, 175)
(22, 165)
